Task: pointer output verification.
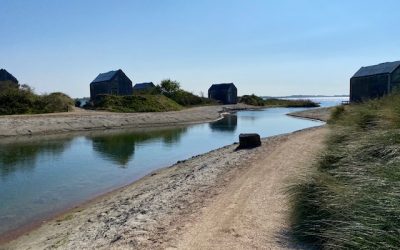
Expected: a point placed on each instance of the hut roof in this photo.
(144, 85)
(108, 76)
(221, 86)
(5, 76)
(383, 68)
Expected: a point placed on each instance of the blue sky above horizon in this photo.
(265, 47)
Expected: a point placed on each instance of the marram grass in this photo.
(352, 200)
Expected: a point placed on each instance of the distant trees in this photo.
(172, 89)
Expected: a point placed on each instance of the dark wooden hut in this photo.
(374, 81)
(111, 83)
(226, 93)
(143, 87)
(7, 80)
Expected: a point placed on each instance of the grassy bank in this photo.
(22, 100)
(136, 103)
(352, 201)
(275, 102)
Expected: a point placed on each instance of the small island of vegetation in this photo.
(275, 102)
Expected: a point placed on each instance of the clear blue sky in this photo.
(265, 47)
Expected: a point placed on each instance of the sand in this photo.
(321, 114)
(81, 120)
(224, 199)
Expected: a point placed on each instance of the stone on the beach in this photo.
(249, 140)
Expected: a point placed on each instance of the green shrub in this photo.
(24, 101)
(172, 90)
(136, 103)
(252, 100)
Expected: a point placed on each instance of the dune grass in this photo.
(352, 201)
(136, 103)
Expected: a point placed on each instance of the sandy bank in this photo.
(20, 125)
(222, 199)
(321, 114)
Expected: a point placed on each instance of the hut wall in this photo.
(99, 88)
(124, 85)
(232, 95)
(363, 88)
(395, 80)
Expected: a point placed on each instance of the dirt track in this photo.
(252, 212)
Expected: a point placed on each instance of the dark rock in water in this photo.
(249, 141)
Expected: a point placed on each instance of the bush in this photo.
(252, 100)
(136, 103)
(24, 101)
(172, 90)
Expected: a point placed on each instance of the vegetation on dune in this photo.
(136, 103)
(352, 200)
(23, 100)
(172, 90)
(252, 100)
(275, 102)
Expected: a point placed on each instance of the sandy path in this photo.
(20, 125)
(252, 212)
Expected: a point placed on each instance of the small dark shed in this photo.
(7, 80)
(111, 83)
(223, 92)
(374, 81)
(143, 87)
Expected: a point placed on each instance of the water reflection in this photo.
(120, 148)
(22, 156)
(227, 124)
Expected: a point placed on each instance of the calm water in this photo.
(42, 176)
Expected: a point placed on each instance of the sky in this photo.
(269, 48)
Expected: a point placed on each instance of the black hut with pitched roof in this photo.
(7, 80)
(225, 93)
(143, 87)
(374, 81)
(111, 83)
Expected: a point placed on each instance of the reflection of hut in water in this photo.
(227, 124)
(22, 156)
(120, 147)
